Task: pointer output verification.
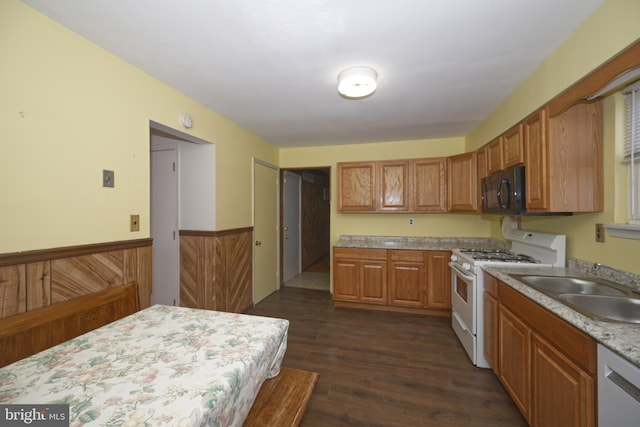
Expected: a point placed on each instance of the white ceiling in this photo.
(272, 65)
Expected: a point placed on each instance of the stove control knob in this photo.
(466, 266)
(454, 258)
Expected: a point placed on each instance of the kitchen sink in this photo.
(594, 297)
(571, 285)
(620, 309)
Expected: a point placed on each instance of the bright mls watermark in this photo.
(34, 415)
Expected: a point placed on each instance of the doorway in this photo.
(313, 240)
(291, 198)
(182, 192)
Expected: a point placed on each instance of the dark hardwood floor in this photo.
(385, 369)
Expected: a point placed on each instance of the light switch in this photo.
(107, 178)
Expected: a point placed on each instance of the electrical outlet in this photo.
(410, 221)
(600, 233)
(134, 223)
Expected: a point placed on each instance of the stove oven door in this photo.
(463, 296)
(463, 310)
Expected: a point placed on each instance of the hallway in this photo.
(316, 277)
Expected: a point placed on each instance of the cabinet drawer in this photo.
(491, 285)
(407, 256)
(358, 253)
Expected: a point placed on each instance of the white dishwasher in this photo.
(618, 390)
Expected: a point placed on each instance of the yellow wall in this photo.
(609, 30)
(70, 109)
(441, 225)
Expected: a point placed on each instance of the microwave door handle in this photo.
(504, 182)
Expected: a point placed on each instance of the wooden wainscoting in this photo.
(35, 279)
(216, 269)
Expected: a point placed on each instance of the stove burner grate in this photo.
(499, 255)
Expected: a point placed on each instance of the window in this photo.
(632, 148)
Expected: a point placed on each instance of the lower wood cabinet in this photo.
(438, 279)
(490, 322)
(547, 366)
(514, 352)
(564, 394)
(360, 275)
(407, 283)
(398, 280)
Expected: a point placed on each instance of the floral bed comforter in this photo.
(160, 366)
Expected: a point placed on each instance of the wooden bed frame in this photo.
(28, 333)
(281, 401)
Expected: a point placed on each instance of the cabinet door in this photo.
(490, 322)
(481, 157)
(373, 285)
(346, 279)
(563, 394)
(514, 344)
(429, 185)
(512, 147)
(394, 185)
(406, 278)
(536, 167)
(462, 176)
(405, 284)
(438, 279)
(356, 187)
(494, 156)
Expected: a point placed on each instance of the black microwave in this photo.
(504, 192)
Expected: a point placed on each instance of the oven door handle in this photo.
(460, 321)
(461, 273)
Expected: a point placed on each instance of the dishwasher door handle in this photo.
(622, 382)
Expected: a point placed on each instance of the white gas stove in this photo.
(528, 248)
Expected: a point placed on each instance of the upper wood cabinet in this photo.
(481, 157)
(493, 151)
(429, 185)
(505, 151)
(512, 147)
(417, 185)
(564, 160)
(462, 182)
(357, 186)
(395, 185)
(536, 152)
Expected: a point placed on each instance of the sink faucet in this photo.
(598, 265)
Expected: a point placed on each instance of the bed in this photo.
(159, 366)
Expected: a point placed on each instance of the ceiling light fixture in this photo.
(357, 82)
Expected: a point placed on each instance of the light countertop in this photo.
(418, 243)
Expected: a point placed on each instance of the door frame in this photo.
(285, 204)
(157, 129)
(328, 196)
